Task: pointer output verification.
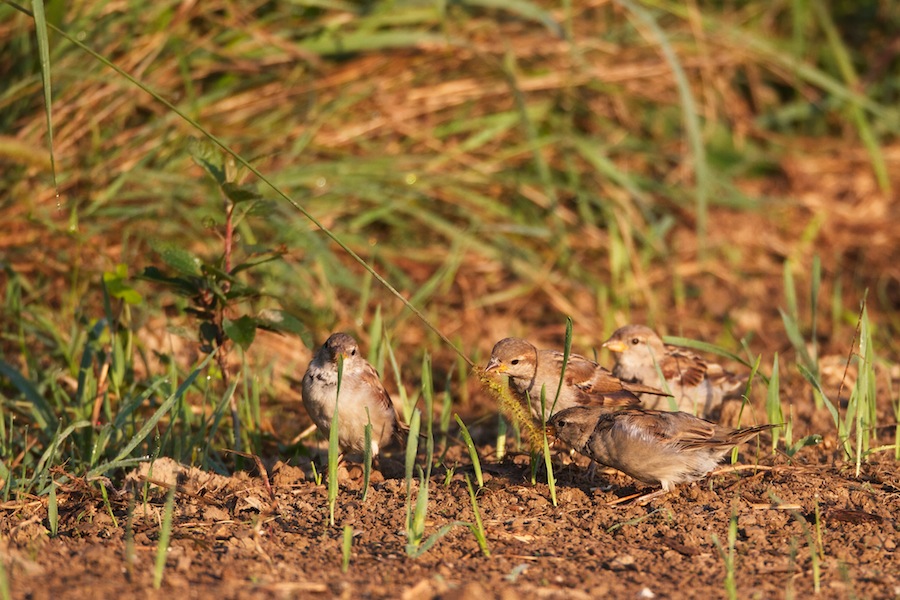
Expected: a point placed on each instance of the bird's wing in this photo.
(371, 382)
(594, 385)
(677, 428)
(731, 384)
(683, 367)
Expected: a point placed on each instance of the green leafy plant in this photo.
(217, 290)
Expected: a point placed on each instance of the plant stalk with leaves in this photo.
(215, 291)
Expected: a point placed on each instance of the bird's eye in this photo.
(561, 423)
(353, 352)
(635, 341)
(514, 361)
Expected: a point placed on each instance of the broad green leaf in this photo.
(240, 193)
(117, 286)
(284, 322)
(241, 331)
(178, 258)
(208, 156)
(41, 411)
(180, 285)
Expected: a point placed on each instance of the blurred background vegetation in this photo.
(503, 164)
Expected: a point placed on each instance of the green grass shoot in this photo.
(333, 448)
(346, 548)
(478, 528)
(774, 413)
(473, 452)
(53, 511)
(729, 555)
(162, 546)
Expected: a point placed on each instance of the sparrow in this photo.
(698, 386)
(652, 446)
(585, 384)
(362, 399)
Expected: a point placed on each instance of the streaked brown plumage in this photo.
(655, 447)
(585, 384)
(698, 386)
(362, 396)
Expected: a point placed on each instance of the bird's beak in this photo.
(551, 430)
(495, 365)
(614, 345)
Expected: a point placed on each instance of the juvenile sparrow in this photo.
(652, 446)
(698, 386)
(585, 384)
(363, 398)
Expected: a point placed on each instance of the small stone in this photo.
(622, 562)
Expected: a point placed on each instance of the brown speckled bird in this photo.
(652, 446)
(698, 386)
(362, 399)
(585, 384)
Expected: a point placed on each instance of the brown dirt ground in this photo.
(254, 536)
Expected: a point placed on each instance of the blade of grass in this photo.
(478, 528)
(53, 511)
(346, 547)
(689, 113)
(774, 413)
(41, 411)
(333, 449)
(43, 43)
(162, 547)
(729, 555)
(473, 452)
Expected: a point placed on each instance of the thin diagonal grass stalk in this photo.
(246, 164)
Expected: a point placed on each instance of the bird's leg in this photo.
(646, 498)
(638, 499)
(308, 431)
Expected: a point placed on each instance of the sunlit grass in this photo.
(536, 179)
(162, 545)
(473, 452)
(728, 554)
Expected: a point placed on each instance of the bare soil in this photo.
(255, 535)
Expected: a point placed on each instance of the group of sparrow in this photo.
(612, 417)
